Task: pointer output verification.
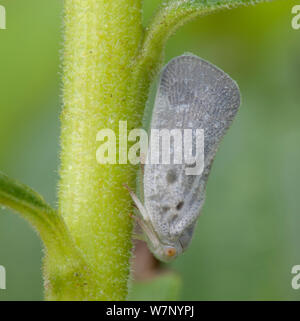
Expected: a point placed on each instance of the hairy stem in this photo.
(109, 64)
(172, 15)
(101, 39)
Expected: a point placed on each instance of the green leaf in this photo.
(65, 269)
(165, 287)
(32, 207)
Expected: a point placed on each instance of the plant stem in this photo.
(109, 64)
(101, 40)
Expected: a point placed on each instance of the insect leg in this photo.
(138, 203)
(147, 230)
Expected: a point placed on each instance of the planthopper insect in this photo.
(192, 94)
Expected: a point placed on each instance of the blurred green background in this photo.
(248, 238)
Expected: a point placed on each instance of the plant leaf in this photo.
(68, 269)
(34, 209)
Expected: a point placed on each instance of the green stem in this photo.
(101, 40)
(167, 20)
(109, 64)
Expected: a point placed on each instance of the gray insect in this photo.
(192, 93)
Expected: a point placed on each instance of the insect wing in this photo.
(192, 94)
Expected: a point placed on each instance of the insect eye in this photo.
(170, 251)
(179, 206)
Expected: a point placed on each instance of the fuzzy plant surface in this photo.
(109, 62)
